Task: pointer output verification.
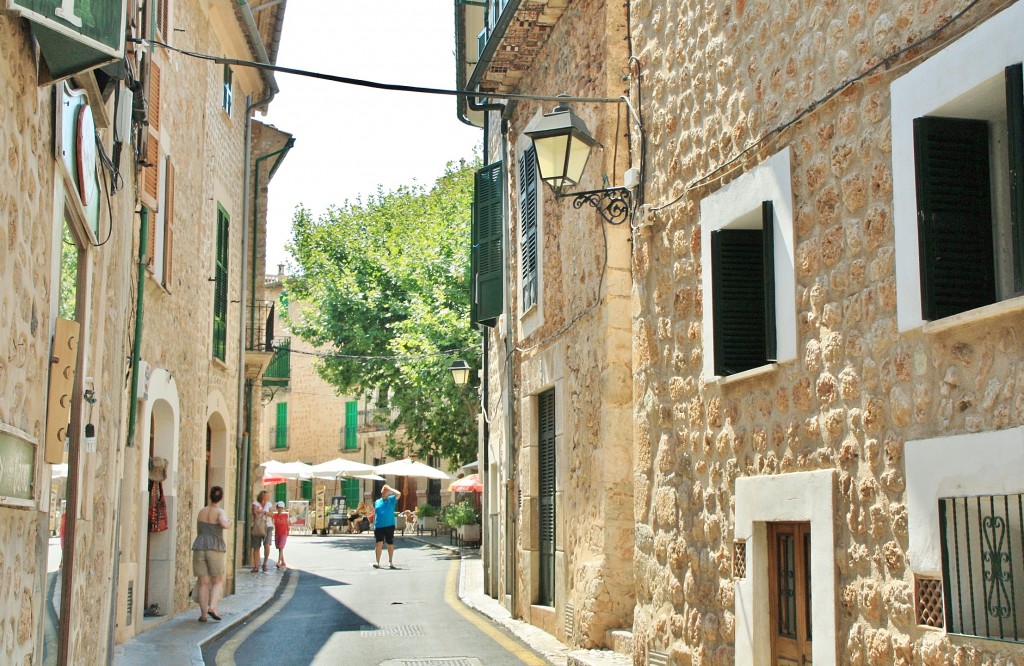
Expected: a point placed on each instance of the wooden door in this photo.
(789, 574)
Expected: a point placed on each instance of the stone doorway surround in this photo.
(797, 497)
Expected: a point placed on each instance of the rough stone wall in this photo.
(716, 77)
(581, 347)
(27, 267)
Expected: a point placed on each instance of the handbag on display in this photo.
(157, 507)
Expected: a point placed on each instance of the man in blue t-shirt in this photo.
(384, 523)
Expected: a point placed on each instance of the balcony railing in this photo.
(279, 371)
(279, 438)
(259, 335)
(983, 565)
(374, 419)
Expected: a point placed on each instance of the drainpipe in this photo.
(252, 32)
(244, 407)
(255, 219)
(133, 406)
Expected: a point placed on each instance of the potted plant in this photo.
(426, 516)
(464, 518)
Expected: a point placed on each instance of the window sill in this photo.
(279, 448)
(1010, 306)
(219, 363)
(746, 374)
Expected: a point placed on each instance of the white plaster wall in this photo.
(803, 497)
(767, 181)
(986, 463)
(967, 63)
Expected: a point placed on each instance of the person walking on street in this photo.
(208, 553)
(280, 533)
(384, 526)
(261, 510)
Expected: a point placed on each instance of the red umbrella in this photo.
(467, 484)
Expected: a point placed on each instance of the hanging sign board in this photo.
(74, 35)
(17, 467)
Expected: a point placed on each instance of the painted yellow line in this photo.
(451, 597)
(226, 654)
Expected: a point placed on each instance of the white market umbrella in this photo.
(291, 470)
(367, 477)
(410, 467)
(332, 469)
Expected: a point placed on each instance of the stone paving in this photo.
(179, 639)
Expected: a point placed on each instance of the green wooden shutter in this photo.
(281, 430)
(220, 288)
(528, 224)
(281, 492)
(1015, 145)
(768, 245)
(487, 257)
(738, 295)
(546, 476)
(954, 215)
(351, 424)
(350, 490)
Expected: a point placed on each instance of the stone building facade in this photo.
(826, 479)
(559, 539)
(116, 229)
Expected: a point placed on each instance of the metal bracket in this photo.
(614, 204)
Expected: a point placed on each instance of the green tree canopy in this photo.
(385, 282)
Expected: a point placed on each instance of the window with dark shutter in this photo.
(954, 215)
(528, 225)
(546, 476)
(743, 291)
(168, 206)
(220, 288)
(486, 299)
(1015, 144)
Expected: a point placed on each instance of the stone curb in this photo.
(196, 653)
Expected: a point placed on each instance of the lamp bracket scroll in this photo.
(614, 204)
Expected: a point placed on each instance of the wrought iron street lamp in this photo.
(563, 145)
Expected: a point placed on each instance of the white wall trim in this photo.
(803, 497)
(770, 180)
(984, 463)
(960, 67)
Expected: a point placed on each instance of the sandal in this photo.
(264, 568)
(213, 614)
(202, 619)
(255, 570)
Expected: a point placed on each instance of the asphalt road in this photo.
(335, 608)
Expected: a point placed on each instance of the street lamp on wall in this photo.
(563, 143)
(460, 372)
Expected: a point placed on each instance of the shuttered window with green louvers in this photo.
(528, 225)
(281, 429)
(546, 475)
(351, 424)
(220, 288)
(743, 291)
(486, 257)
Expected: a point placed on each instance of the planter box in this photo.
(469, 533)
(427, 524)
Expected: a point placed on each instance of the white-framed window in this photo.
(748, 277)
(228, 91)
(964, 521)
(957, 140)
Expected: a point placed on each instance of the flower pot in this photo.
(469, 533)
(428, 524)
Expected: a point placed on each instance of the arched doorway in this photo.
(160, 543)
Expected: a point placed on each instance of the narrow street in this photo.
(334, 607)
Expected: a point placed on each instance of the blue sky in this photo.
(349, 140)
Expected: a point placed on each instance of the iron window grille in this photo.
(983, 565)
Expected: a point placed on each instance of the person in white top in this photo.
(262, 509)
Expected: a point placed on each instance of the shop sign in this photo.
(17, 467)
(75, 35)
